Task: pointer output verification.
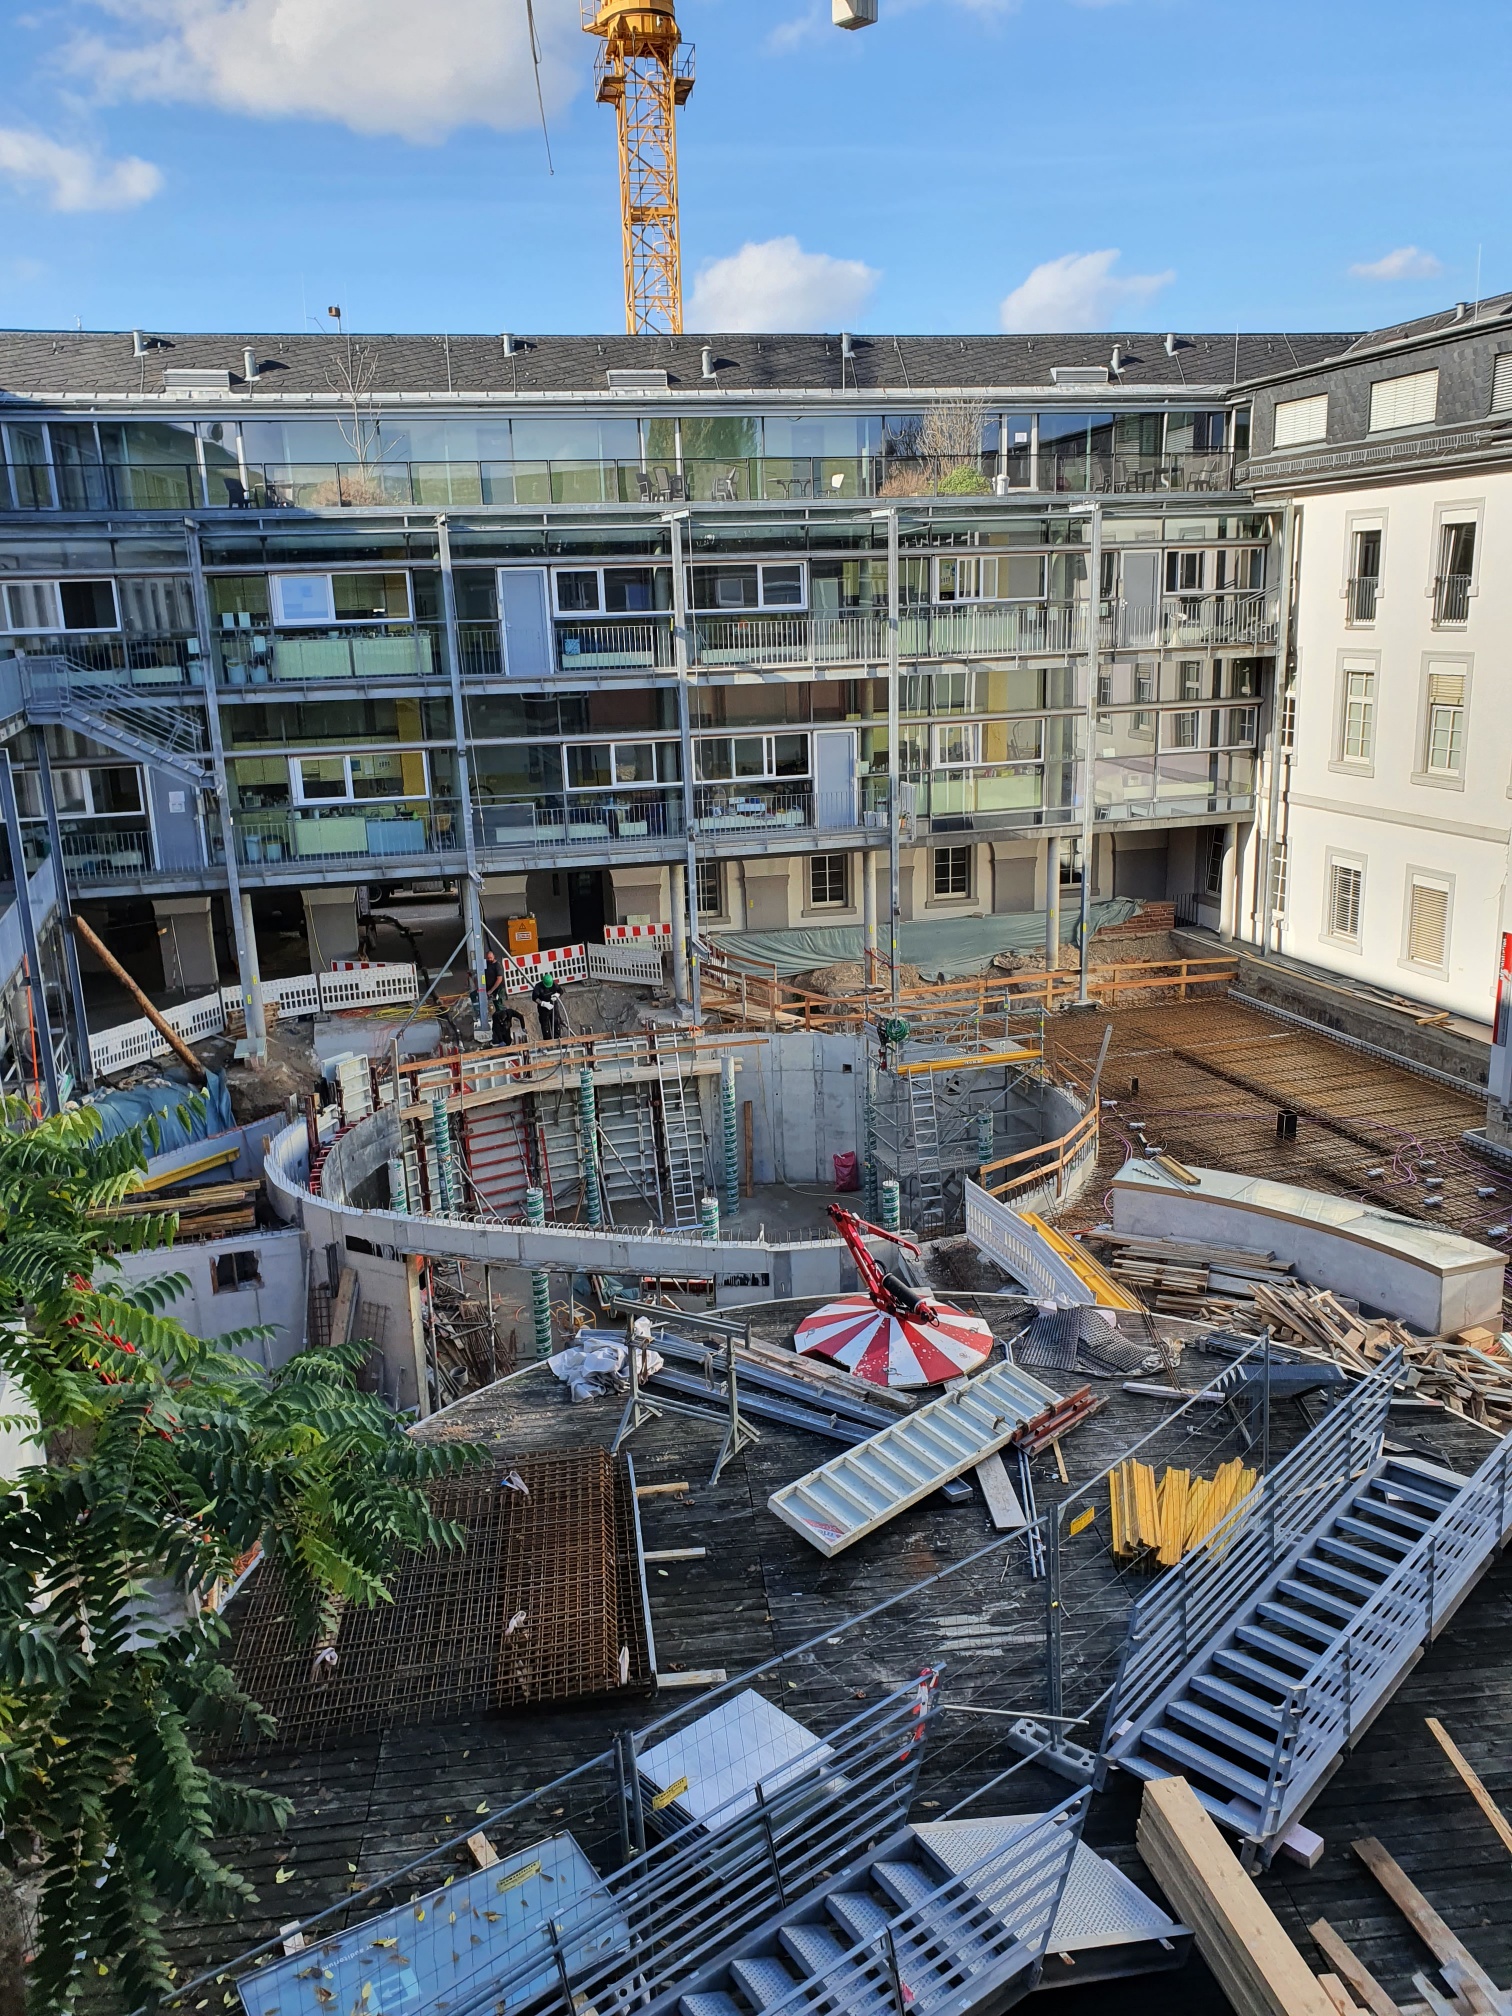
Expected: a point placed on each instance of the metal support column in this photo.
(685, 977)
(1052, 903)
(83, 1065)
(869, 916)
(246, 956)
(894, 736)
(1269, 933)
(1089, 767)
(472, 903)
(677, 876)
(36, 980)
(730, 1121)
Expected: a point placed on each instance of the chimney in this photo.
(708, 362)
(249, 366)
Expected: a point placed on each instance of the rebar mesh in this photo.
(558, 1554)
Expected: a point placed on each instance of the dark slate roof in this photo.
(1462, 319)
(45, 364)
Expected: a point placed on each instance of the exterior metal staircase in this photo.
(682, 1133)
(1252, 1666)
(166, 737)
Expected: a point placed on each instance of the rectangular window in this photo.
(1403, 402)
(1456, 575)
(1184, 730)
(728, 590)
(952, 871)
(1213, 877)
(234, 1270)
(1278, 881)
(1445, 753)
(1345, 886)
(345, 780)
(829, 881)
(1357, 740)
(1501, 383)
(958, 745)
(59, 605)
(711, 889)
(303, 599)
(1365, 576)
(1427, 924)
(1299, 420)
(1189, 679)
(719, 758)
(1185, 573)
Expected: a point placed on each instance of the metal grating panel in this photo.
(1100, 1906)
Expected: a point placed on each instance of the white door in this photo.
(834, 778)
(1141, 598)
(527, 626)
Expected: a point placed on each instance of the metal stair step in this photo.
(1380, 1506)
(1296, 1620)
(710, 2003)
(907, 1883)
(1333, 1549)
(1423, 1488)
(1378, 1536)
(1219, 1730)
(762, 1980)
(1338, 1578)
(1261, 1640)
(1320, 1599)
(813, 1948)
(1235, 1699)
(1191, 1757)
(1253, 1669)
(859, 1915)
(1240, 1814)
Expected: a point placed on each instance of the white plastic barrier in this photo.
(112, 1050)
(618, 934)
(638, 965)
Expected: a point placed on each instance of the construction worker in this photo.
(494, 984)
(548, 1006)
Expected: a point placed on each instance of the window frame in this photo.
(62, 628)
(345, 758)
(602, 613)
(1317, 400)
(761, 606)
(816, 901)
(1335, 865)
(614, 744)
(1429, 378)
(1356, 665)
(1443, 885)
(1440, 665)
(280, 619)
(964, 856)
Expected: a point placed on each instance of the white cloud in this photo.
(1407, 262)
(1079, 290)
(376, 66)
(74, 178)
(779, 286)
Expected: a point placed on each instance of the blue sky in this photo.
(963, 165)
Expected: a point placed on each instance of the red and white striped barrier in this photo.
(616, 934)
(562, 962)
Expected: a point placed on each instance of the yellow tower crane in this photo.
(645, 72)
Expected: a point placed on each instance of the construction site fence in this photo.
(743, 991)
(1340, 1692)
(376, 986)
(1192, 1600)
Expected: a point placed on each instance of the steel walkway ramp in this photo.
(914, 1931)
(862, 1488)
(1252, 1666)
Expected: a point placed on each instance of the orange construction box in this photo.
(521, 936)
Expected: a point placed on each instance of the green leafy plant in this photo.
(164, 1461)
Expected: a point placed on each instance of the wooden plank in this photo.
(660, 1490)
(345, 1306)
(1446, 1947)
(1339, 1995)
(675, 1554)
(1477, 1790)
(1237, 1933)
(1348, 1964)
(1002, 1500)
(481, 1850)
(711, 1676)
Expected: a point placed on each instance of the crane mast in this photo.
(645, 72)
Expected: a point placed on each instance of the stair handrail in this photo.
(1175, 1622)
(703, 1889)
(1347, 1680)
(1007, 1899)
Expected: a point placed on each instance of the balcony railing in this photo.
(1175, 783)
(377, 652)
(1231, 617)
(1360, 601)
(346, 832)
(514, 824)
(122, 660)
(725, 810)
(107, 852)
(758, 639)
(644, 645)
(1451, 598)
(986, 629)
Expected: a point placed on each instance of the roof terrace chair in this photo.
(725, 488)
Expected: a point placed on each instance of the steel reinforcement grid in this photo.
(541, 1605)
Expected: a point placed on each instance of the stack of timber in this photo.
(1160, 1523)
(1179, 1277)
(211, 1211)
(1469, 1374)
(1257, 1967)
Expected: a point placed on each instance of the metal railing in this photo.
(346, 832)
(1360, 600)
(985, 629)
(632, 645)
(107, 853)
(978, 1930)
(508, 823)
(1179, 1617)
(123, 660)
(377, 651)
(684, 1903)
(1342, 1689)
(760, 639)
(1451, 598)
(723, 810)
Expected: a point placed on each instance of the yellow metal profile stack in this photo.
(645, 73)
(1167, 1520)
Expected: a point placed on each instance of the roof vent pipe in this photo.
(1115, 362)
(708, 361)
(509, 344)
(138, 343)
(1461, 310)
(1170, 346)
(847, 344)
(249, 367)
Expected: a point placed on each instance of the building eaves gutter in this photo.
(1463, 448)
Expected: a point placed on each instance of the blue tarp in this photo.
(954, 946)
(177, 1124)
